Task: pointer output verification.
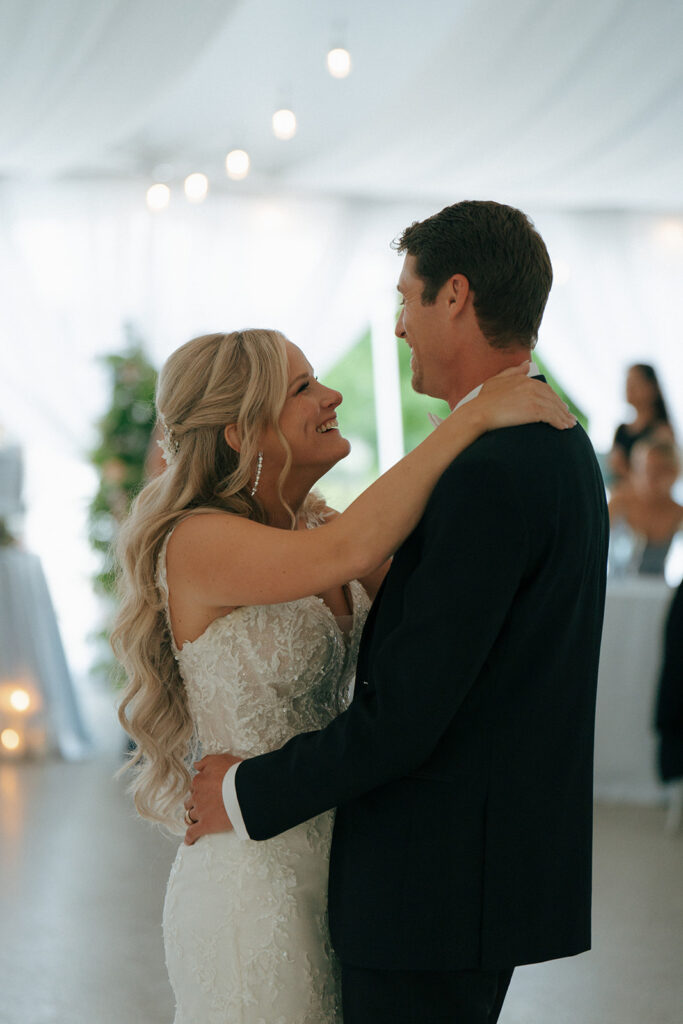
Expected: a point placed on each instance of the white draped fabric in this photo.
(31, 655)
(76, 263)
(80, 77)
(77, 266)
(543, 103)
(568, 110)
(630, 664)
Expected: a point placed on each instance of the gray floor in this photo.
(82, 890)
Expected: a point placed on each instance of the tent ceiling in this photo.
(539, 102)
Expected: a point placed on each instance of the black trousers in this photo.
(423, 997)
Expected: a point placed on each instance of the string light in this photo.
(20, 700)
(196, 187)
(284, 124)
(339, 62)
(237, 164)
(158, 197)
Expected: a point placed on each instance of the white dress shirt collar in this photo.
(435, 420)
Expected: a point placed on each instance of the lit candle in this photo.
(20, 700)
(10, 740)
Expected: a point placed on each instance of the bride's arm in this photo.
(372, 581)
(225, 561)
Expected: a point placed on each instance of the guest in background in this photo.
(651, 421)
(669, 710)
(643, 505)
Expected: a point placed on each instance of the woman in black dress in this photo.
(651, 421)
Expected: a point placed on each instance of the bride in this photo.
(243, 598)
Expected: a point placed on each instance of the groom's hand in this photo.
(205, 805)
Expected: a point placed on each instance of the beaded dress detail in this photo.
(245, 922)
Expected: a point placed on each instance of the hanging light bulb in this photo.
(339, 62)
(158, 197)
(237, 164)
(284, 124)
(196, 187)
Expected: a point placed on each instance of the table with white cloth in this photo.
(630, 661)
(31, 651)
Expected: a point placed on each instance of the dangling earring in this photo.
(259, 467)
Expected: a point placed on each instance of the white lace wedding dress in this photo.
(245, 922)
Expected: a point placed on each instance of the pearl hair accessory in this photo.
(169, 445)
(259, 467)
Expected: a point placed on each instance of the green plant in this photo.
(119, 458)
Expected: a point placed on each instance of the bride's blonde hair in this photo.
(209, 382)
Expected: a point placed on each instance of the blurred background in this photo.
(170, 168)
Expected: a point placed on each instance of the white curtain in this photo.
(77, 262)
(616, 300)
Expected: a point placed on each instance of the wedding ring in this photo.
(188, 819)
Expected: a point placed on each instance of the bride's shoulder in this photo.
(202, 519)
(202, 529)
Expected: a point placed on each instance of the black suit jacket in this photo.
(669, 707)
(462, 772)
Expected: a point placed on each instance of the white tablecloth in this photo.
(630, 658)
(30, 645)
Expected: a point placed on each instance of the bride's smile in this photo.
(308, 422)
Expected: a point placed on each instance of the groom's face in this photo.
(426, 330)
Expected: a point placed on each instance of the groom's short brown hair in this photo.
(501, 254)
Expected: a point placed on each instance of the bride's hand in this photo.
(512, 398)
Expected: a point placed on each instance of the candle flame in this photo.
(20, 700)
(10, 739)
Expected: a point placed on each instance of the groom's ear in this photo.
(232, 437)
(457, 293)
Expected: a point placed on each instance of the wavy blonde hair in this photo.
(209, 382)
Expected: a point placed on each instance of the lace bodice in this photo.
(264, 673)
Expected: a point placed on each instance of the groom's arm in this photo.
(475, 550)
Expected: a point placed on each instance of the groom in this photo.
(462, 772)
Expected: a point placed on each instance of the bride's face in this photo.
(308, 421)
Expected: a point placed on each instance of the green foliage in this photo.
(352, 375)
(120, 456)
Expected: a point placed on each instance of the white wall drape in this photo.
(77, 262)
(616, 300)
